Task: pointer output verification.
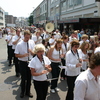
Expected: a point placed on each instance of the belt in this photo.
(23, 61)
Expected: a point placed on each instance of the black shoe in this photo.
(17, 75)
(29, 95)
(21, 95)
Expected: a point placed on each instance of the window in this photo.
(45, 6)
(70, 3)
(57, 10)
(52, 12)
(77, 2)
(63, 6)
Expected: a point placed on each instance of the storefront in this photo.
(79, 23)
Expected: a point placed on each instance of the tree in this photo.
(30, 20)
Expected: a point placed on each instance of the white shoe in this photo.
(52, 91)
(57, 89)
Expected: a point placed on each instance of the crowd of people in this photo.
(36, 53)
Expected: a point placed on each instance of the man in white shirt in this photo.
(24, 53)
(15, 40)
(87, 84)
(9, 43)
(57, 34)
(37, 38)
(97, 50)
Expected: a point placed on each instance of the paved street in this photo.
(10, 84)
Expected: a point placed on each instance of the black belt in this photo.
(24, 61)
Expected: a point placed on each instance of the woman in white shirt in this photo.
(87, 84)
(40, 66)
(65, 47)
(83, 52)
(55, 54)
(73, 63)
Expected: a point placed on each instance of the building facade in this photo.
(2, 18)
(10, 20)
(40, 14)
(78, 14)
(69, 14)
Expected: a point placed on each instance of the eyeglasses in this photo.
(76, 46)
(40, 51)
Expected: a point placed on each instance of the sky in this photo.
(19, 8)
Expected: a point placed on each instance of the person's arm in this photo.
(48, 67)
(21, 56)
(80, 90)
(9, 40)
(32, 53)
(33, 72)
(15, 42)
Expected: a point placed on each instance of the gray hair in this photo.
(38, 47)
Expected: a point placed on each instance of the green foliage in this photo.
(30, 20)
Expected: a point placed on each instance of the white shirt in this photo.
(43, 35)
(35, 38)
(56, 55)
(71, 61)
(65, 49)
(38, 66)
(71, 39)
(97, 50)
(14, 39)
(57, 36)
(8, 38)
(51, 40)
(86, 87)
(83, 41)
(84, 56)
(21, 48)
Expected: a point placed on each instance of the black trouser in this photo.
(10, 54)
(63, 70)
(16, 64)
(13, 55)
(7, 53)
(41, 88)
(55, 74)
(71, 84)
(25, 77)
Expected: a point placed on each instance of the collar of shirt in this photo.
(90, 75)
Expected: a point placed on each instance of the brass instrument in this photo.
(49, 27)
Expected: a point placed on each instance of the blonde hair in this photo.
(75, 31)
(84, 36)
(83, 46)
(38, 47)
(27, 32)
